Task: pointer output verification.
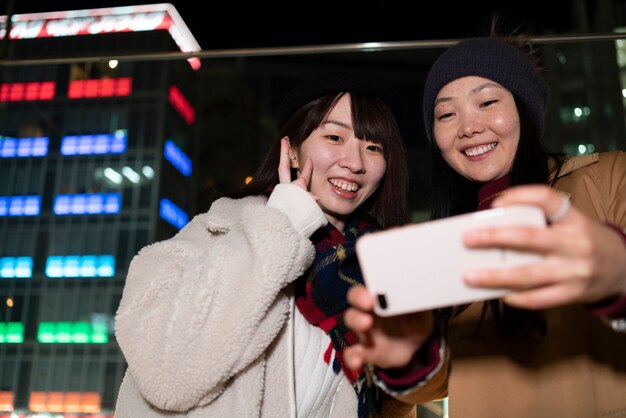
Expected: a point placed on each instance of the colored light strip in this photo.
(73, 333)
(161, 16)
(174, 155)
(80, 266)
(22, 92)
(11, 333)
(68, 402)
(182, 105)
(106, 87)
(94, 144)
(172, 213)
(87, 204)
(6, 402)
(16, 267)
(23, 147)
(20, 205)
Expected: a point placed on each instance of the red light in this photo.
(106, 87)
(182, 105)
(17, 92)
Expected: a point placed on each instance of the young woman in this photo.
(240, 314)
(548, 348)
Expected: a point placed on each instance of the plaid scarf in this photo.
(321, 297)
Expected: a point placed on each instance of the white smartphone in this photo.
(420, 266)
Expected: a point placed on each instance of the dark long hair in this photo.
(372, 120)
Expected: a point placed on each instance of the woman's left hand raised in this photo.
(584, 260)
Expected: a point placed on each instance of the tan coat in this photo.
(578, 369)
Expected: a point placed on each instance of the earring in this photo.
(293, 157)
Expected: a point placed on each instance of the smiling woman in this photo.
(552, 345)
(249, 297)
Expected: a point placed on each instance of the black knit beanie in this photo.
(496, 60)
(334, 82)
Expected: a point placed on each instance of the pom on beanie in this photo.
(496, 60)
(314, 87)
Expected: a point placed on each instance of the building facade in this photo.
(94, 165)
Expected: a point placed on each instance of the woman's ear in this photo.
(293, 157)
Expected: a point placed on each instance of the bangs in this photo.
(370, 119)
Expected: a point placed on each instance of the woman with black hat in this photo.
(552, 347)
(241, 313)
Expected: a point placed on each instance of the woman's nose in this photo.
(470, 126)
(352, 160)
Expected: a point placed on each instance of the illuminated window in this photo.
(73, 333)
(11, 333)
(69, 402)
(174, 155)
(23, 147)
(94, 144)
(82, 204)
(80, 266)
(12, 267)
(20, 205)
(105, 87)
(6, 400)
(182, 105)
(19, 92)
(172, 213)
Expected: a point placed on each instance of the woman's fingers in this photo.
(304, 177)
(360, 298)
(553, 203)
(284, 169)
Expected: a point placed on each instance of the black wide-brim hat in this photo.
(334, 82)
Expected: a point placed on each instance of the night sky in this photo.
(263, 24)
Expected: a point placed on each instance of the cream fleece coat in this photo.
(200, 312)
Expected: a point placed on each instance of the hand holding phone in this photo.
(420, 266)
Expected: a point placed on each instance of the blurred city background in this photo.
(120, 122)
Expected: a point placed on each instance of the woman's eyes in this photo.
(483, 104)
(371, 146)
(375, 148)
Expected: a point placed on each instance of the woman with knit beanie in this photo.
(241, 313)
(553, 347)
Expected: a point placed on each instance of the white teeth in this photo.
(479, 150)
(350, 187)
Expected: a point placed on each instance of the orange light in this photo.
(248, 179)
(70, 402)
(6, 400)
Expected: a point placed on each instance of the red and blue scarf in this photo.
(321, 298)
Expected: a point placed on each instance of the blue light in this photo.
(94, 144)
(106, 266)
(80, 266)
(21, 267)
(87, 204)
(23, 147)
(172, 213)
(174, 155)
(20, 205)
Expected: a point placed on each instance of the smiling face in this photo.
(477, 128)
(346, 170)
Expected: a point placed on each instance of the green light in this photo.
(73, 333)
(46, 333)
(11, 333)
